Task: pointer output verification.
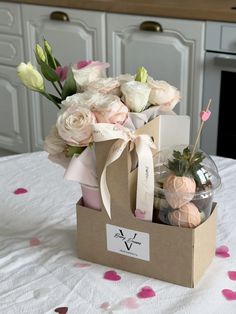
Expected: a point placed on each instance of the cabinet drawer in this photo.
(11, 50)
(221, 37)
(10, 18)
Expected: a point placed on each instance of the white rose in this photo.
(75, 126)
(105, 86)
(163, 94)
(135, 95)
(90, 72)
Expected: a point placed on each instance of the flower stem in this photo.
(50, 98)
(56, 88)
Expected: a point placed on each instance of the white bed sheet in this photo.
(39, 268)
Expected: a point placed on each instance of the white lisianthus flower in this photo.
(74, 125)
(163, 94)
(88, 73)
(105, 86)
(30, 77)
(135, 95)
(53, 143)
(109, 109)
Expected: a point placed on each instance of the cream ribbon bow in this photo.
(145, 180)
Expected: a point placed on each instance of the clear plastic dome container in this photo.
(184, 199)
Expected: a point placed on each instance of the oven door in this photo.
(220, 86)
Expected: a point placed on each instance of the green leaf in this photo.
(49, 73)
(69, 87)
(57, 62)
(72, 150)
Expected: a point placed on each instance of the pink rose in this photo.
(88, 73)
(74, 125)
(109, 109)
(163, 94)
(105, 86)
(83, 63)
(86, 100)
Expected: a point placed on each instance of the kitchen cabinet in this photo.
(14, 123)
(170, 49)
(74, 35)
(176, 55)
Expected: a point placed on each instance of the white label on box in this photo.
(128, 242)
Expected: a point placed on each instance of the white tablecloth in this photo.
(39, 268)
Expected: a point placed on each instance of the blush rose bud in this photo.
(30, 77)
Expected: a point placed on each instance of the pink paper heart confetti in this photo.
(34, 241)
(229, 294)
(61, 310)
(20, 191)
(205, 115)
(111, 275)
(222, 251)
(81, 265)
(146, 292)
(105, 306)
(139, 214)
(232, 275)
(130, 303)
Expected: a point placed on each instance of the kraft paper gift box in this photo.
(174, 254)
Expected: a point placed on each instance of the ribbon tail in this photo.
(145, 180)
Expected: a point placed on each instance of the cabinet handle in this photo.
(151, 26)
(59, 16)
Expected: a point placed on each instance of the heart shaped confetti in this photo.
(61, 310)
(146, 292)
(81, 265)
(139, 214)
(34, 241)
(229, 294)
(130, 303)
(20, 191)
(111, 275)
(232, 275)
(105, 306)
(222, 251)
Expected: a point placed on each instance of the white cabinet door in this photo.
(14, 131)
(175, 55)
(81, 36)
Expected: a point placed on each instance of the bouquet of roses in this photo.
(90, 103)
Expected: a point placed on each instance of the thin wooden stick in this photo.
(199, 131)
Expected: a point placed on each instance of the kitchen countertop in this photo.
(212, 10)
